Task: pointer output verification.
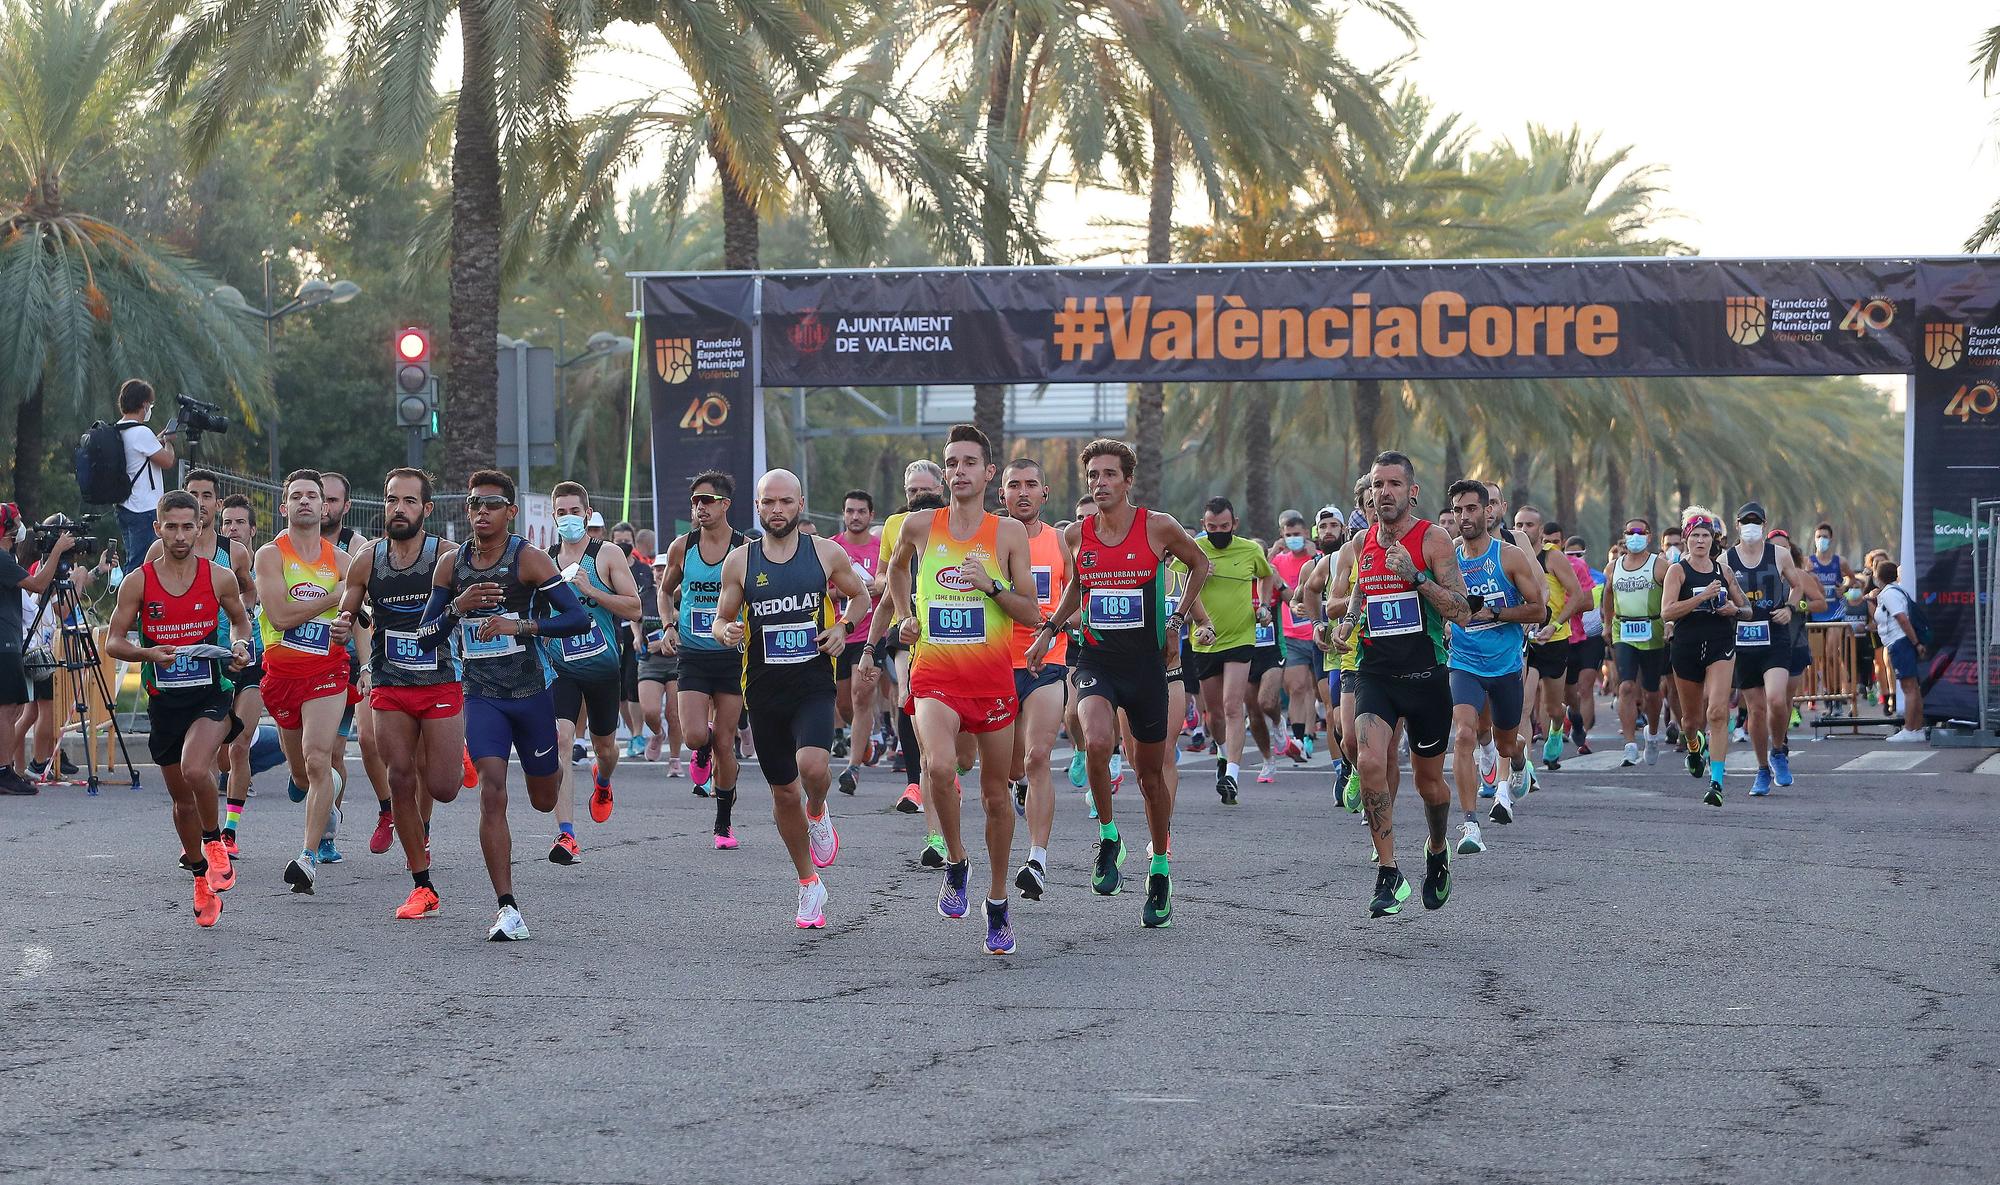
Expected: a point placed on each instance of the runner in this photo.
(1328, 596)
(1119, 554)
(487, 596)
(1703, 601)
(972, 568)
(857, 697)
(923, 490)
(659, 668)
(1776, 592)
(1548, 644)
(588, 671)
(239, 526)
(1235, 600)
(1265, 689)
(775, 605)
(1302, 659)
(1586, 655)
(711, 674)
(1671, 548)
(1506, 592)
(417, 700)
(1329, 536)
(358, 721)
(1042, 694)
(1407, 588)
(1632, 613)
(1905, 649)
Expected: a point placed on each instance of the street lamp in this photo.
(310, 295)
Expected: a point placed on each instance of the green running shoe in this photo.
(1714, 795)
(1353, 795)
(1437, 878)
(1391, 890)
(1159, 911)
(1104, 879)
(934, 853)
(1078, 775)
(1552, 748)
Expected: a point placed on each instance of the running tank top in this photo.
(1763, 586)
(1291, 567)
(1124, 611)
(1051, 569)
(1828, 575)
(1704, 625)
(307, 646)
(1488, 649)
(866, 556)
(505, 666)
(701, 587)
(1405, 635)
(785, 606)
(591, 656)
(1636, 601)
(186, 619)
(965, 647)
(1558, 596)
(1854, 607)
(221, 618)
(397, 597)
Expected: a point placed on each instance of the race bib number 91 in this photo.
(1394, 615)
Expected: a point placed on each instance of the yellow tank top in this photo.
(967, 642)
(310, 643)
(1558, 598)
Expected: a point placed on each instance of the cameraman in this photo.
(41, 725)
(15, 695)
(146, 457)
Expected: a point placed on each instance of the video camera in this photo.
(85, 546)
(196, 416)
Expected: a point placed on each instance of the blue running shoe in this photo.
(1552, 749)
(296, 791)
(1309, 748)
(1488, 788)
(1340, 782)
(1078, 776)
(1117, 766)
(1762, 785)
(952, 898)
(1781, 767)
(999, 930)
(327, 854)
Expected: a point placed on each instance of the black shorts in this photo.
(1550, 660)
(14, 687)
(1647, 667)
(171, 718)
(1587, 655)
(246, 679)
(1188, 672)
(1753, 661)
(44, 691)
(1691, 655)
(628, 667)
(572, 696)
(1137, 687)
(1027, 683)
(781, 730)
(712, 672)
(850, 657)
(1210, 665)
(1422, 702)
(1264, 660)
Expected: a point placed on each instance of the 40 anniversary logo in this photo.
(1973, 400)
(705, 412)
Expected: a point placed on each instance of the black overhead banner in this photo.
(700, 355)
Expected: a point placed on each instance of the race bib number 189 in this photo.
(1117, 609)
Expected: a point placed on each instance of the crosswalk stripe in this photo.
(1885, 761)
(1990, 766)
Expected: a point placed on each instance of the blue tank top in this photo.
(1489, 649)
(701, 588)
(1828, 575)
(591, 657)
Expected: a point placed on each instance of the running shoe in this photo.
(823, 839)
(952, 898)
(508, 926)
(1105, 879)
(673, 767)
(1391, 890)
(600, 796)
(935, 854)
(1762, 785)
(1552, 749)
(847, 781)
(1269, 773)
(652, 747)
(1697, 758)
(1489, 770)
(1631, 756)
(1781, 767)
(1309, 748)
(1652, 749)
(385, 832)
(1503, 810)
(1079, 773)
(207, 903)
(1714, 795)
(300, 873)
(1340, 781)
(1032, 880)
(565, 850)
(1354, 792)
(635, 747)
(999, 930)
(839, 745)
(1738, 736)
(1437, 878)
(725, 839)
(1583, 748)
(1225, 788)
(577, 752)
(1795, 718)
(1020, 789)
(468, 774)
(812, 905)
(1469, 840)
(1294, 750)
(421, 903)
(912, 801)
(1090, 804)
(1117, 781)
(701, 765)
(1158, 912)
(1673, 732)
(296, 791)
(221, 876)
(229, 842)
(327, 854)
(1117, 766)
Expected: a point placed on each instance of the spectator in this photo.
(147, 457)
(16, 696)
(1892, 625)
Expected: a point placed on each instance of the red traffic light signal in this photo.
(413, 345)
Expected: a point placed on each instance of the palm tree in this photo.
(86, 303)
(1986, 59)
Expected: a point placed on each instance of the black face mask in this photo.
(1221, 539)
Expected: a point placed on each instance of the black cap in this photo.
(1752, 510)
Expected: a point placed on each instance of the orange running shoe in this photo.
(221, 876)
(600, 796)
(207, 905)
(469, 776)
(422, 903)
(912, 800)
(565, 850)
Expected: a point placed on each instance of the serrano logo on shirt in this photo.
(303, 591)
(954, 580)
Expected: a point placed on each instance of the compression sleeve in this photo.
(570, 618)
(438, 620)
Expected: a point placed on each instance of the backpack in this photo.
(100, 465)
(1920, 622)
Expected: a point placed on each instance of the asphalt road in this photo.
(1628, 986)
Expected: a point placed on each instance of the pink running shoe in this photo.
(701, 766)
(725, 840)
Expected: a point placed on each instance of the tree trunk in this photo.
(1367, 422)
(1614, 500)
(1454, 461)
(1150, 420)
(739, 214)
(1681, 488)
(1564, 510)
(989, 400)
(30, 446)
(1519, 496)
(1255, 402)
(472, 405)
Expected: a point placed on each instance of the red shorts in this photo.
(286, 692)
(438, 701)
(976, 713)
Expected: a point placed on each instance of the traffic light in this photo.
(416, 388)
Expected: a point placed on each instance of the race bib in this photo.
(1267, 635)
(578, 647)
(1173, 606)
(1044, 581)
(701, 621)
(1117, 609)
(1394, 615)
(956, 625)
(185, 672)
(1753, 633)
(498, 646)
(1493, 597)
(400, 648)
(1635, 633)
(313, 637)
(787, 644)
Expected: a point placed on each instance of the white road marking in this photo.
(1885, 761)
(34, 961)
(1990, 766)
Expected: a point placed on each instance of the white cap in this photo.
(596, 520)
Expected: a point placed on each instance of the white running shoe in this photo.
(1631, 755)
(508, 926)
(1737, 736)
(1468, 838)
(1907, 736)
(824, 840)
(1652, 748)
(1488, 759)
(1269, 773)
(812, 905)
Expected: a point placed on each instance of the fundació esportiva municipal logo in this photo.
(1744, 319)
(673, 357)
(1944, 344)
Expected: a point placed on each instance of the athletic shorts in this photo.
(844, 663)
(976, 713)
(628, 668)
(247, 678)
(1189, 670)
(712, 672)
(1753, 661)
(572, 696)
(1210, 665)
(1648, 667)
(1137, 688)
(171, 719)
(434, 701)
(1333, 689)
(286, 694)
(1421, 701)
(1550, 660)
(43, 691)
(1801, 653)
(1691, 656)
(781, 731)
(659, 668)
(14, 687)
(1264, 660)
(527, 727)
(1503, 693)
(1027, 683)
(1903, 660)
(1587, 655)
(1301, 652)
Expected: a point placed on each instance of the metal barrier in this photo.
(1986, 607)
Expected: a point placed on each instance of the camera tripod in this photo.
(76, 651)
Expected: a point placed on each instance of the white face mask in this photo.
(1673, 555)
(1752, 532)
(1822, 544)
(1635, 543)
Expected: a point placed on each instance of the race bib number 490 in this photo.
(786, 644)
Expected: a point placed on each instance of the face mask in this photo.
(1673, 555)
(1295, 542)
(1822, 544)
(1221, 539)
(1752, 532)
(1635, 543)
(570, 527)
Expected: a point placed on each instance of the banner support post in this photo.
(760, 459)
(638, 317)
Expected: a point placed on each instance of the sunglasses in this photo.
(1637, 531)
(478, 502)
(706, 499)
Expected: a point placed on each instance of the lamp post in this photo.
(310, 295)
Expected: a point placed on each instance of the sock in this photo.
(1232, 769)
(1298, 732)
(507, 899)
(423, 879)
(234, 818)
(308, 857)
(1039, 856)
(1107, 831)
(566, 828)
(1159, 867)
(812, 818)
(810, 880)
(724, 799)
(383, 806)
(1715, 771)
(1471, 817)
(199, 868)
(211, 836)
(1517, 762)
(996, 906)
